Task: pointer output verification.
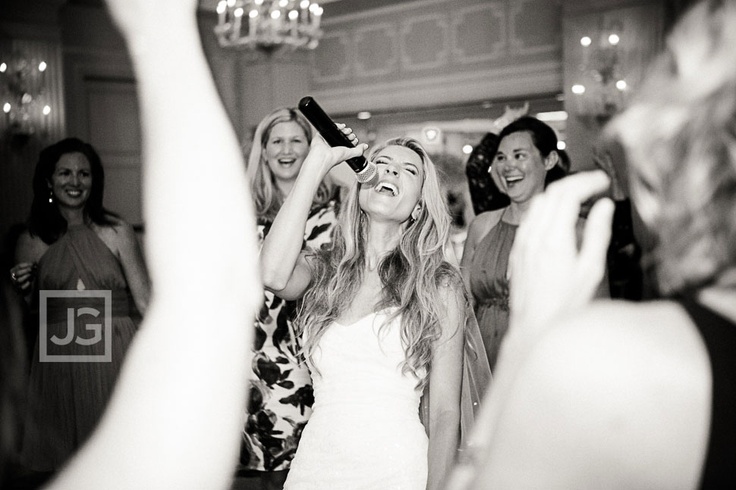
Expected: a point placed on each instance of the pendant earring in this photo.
(51, 196)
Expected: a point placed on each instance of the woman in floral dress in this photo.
(281, 398)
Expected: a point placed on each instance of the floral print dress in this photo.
(281, 397)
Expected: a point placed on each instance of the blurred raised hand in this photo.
(550, 274)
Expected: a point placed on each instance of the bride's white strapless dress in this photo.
(364, 432)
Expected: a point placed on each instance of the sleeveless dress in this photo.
(67, 399)
(365, 431)
(280, 395)
(490, 286)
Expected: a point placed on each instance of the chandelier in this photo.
(22, 91)
(600, 88)
(268, 24)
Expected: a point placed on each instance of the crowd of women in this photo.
(363, 358)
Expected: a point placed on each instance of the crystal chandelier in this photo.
(268, 24)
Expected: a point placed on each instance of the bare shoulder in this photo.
(662, 322)
(118, 236)
(483, 223)
(650, 342)
(123, 228)
(487, 219)
(490, 216)
(29, 247)
(625, 383)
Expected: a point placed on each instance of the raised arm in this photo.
(283, 267)
(174, 419)
(545, 252)
(445, 381)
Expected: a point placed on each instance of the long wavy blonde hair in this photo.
(680, 135)
(411, 274)
(266, 194)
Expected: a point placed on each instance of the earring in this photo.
(51, 196)
(416, 213)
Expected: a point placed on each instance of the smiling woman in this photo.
(280, 396)
(280, 144)
(527, 151)
(72, 180)
(75, 245)
(382, 317)
(401, 174)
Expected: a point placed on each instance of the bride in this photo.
(382, 316)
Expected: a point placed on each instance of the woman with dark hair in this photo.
(619, 394)
(74, 251)
(280, 387)
(174, 418)
(525, 155)
(47, 222)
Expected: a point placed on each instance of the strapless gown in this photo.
(364, 432)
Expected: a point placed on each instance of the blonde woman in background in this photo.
(281, 397)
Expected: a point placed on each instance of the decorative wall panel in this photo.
(535, 26)
(331, 62)
(435, 52)
(479, 32)
(424, 42)
(376, 50)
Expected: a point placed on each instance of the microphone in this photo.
(364, 170)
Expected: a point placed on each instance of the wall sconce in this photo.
(600, 86)
(22, 92)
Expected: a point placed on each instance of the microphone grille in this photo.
(368, 176)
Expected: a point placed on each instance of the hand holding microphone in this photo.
(364, 170)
